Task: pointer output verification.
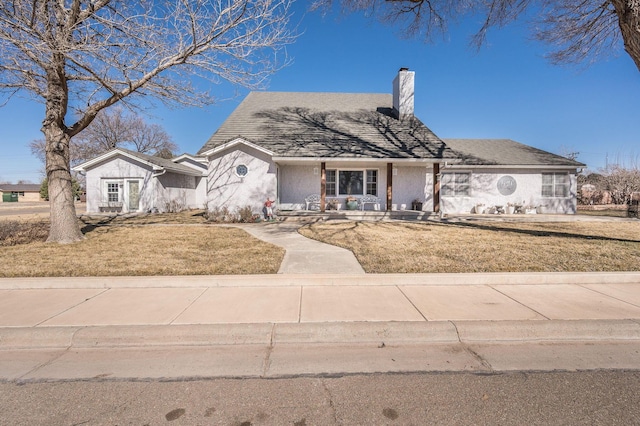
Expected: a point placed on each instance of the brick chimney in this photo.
(403, 93)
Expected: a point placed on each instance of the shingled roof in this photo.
(19, 187)
(505, 152)
(328, 125)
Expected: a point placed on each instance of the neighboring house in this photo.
(20, 192)
(288, 146)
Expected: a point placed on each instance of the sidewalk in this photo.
(284, 325)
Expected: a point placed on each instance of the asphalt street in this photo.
(521, 398)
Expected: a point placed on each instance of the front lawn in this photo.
(127, 247)
(403, 247)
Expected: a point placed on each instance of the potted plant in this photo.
(480, 208)
(416, 205)
(352, 203)
(511, 208)
(333, 204)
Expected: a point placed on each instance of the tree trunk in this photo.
(628, 12)
(64, 222)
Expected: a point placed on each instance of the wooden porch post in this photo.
(436, 187)
(389, 185)
(323, 186)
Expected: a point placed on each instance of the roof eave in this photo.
(518, 166)
(283, 159)
(233, 142)
(88, 164)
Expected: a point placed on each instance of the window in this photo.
(113, 192)
(242, 170)
(555, 185)
(372, 182)
(456, 184)
(352, 182)
(331, 182)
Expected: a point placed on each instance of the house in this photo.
(294, 147)
(19, 192)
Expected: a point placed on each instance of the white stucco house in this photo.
(293, 147)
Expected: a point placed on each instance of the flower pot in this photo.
(352, 205)
(479, 209)
(511, 209)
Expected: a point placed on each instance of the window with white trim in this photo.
(372, 182)
(456, 184)
(113, 192)
(331, 182)
(352, 182)
(555, 185)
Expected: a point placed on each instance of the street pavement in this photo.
(306, 321)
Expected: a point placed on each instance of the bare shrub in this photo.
(13, 232)
(246, 215)
(218, 215)
(174, 206)
(224, 215)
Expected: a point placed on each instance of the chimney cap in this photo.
(404, 69)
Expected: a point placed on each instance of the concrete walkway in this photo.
(303, 255)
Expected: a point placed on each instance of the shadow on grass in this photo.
(91, 224)
(537, 233)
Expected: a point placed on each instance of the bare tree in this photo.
(621, 182)
(110, 129)
(578, 30)
(79, 57)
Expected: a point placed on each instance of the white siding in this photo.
(155, 192)
(227, 189)
(528, 192)
(296, 183)
(412, 183)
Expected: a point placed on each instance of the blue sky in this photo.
(506, 90)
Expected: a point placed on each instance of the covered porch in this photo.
(350, 185)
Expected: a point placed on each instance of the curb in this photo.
(285, 280)
(268, 334)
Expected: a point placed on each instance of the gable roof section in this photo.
(235, 142)
(156, 163)
(327, 125)
(505, 152)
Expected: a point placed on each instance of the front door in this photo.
(134, 195)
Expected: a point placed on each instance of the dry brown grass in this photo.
(145, 250)
(391, 247)
(604, 212)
